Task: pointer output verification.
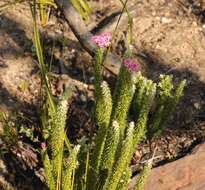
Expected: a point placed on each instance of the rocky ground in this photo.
(186, 173)
(169, 38)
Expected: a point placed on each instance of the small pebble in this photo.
(166, 20)
(197, 105)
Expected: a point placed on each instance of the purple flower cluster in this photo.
(131, 65)
(43, 146)
(102, 40)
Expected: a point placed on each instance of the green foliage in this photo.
(106, 165)
(111, 169)
(103, 112)
(138, 99)
(83, 165)
(143, 108)
(124, 92)
(167, 99)
(42, 65)
(24, 86)
(69, 171)
(48, 170)
(124, 180)
(103, 106)
(82, 7)
(143, 176)
(56, 163)
(123, 161)
(98, 66)
(111, 145)
(9, 132)
(44, 6)
(57, 131)
(28, 132)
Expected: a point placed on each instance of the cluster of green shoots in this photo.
(106, 166)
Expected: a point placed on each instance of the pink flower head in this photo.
(102, 40)
(131, 65)
(43, 146)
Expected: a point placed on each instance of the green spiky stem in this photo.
(110, 152)
(140, 127)
(138, 99)
(103, 112)
(122, 162)
(57, 132)
(98, 66)
(48, 171)
(110, 147)
(164, 98)
(70, 166)
(103, 106)
(123, 95)
(167, 102)
(123, 183)
(141, 180)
